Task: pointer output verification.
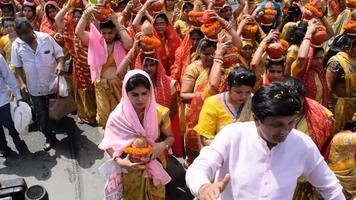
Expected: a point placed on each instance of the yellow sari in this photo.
(107, 93)
(345, 107)
(341, 20)
(342, 161)
(215, 115)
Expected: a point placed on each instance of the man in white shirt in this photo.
(8, 80)
(262, 159)
(37, 56)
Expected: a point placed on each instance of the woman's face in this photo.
(77, 15)
(169, 4)
(109, 34)
(28, 13)
(160, 25)
(275, 73)
(207, 56)
(247, 51)
(52, 13)
(150, 66)
(9, 27)
(276, 129)
(226, 12)
(139, 97)
(239, 94)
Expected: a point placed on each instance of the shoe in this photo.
(4, 152)
(50, 143)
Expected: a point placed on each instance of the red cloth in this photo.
(182, 58)
(319, 125)
(308, 79)
(173, 42)
(163, 97)
(48, 25)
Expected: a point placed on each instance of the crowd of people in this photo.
(256, 99)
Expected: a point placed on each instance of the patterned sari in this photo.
(345, 107)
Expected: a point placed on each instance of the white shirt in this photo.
(258, 172)
(39, 66)
(7, 80)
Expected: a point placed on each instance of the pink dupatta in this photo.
(124, 126)
(98, 53)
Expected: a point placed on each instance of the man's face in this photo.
(26, 34)
(275, 130)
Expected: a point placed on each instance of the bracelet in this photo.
(121, 28)
(307, 38)
(218, 60)
(228, 27)
(218, 57)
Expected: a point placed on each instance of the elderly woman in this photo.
(139, 117)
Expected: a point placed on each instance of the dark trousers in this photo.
(6, 120)
(40, 105)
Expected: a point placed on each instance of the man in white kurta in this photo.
(258, 172)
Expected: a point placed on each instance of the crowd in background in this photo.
(203, 61)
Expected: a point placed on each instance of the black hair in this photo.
(269, 63)
(32, 7)
(292, 13)
(295, 84)
(187, 5)
(206, 43)
(6, 19)
(48, 7)
(78, 10)
(239, 76)
(163, 16)
(318, 49)
(296, 33)
(196, 31)
(108, 24)
(137, 80)
(275, 100)
(21, 22)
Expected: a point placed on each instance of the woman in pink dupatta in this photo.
(138, 115)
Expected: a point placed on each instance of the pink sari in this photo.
(124, 126)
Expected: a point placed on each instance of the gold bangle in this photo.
(218, 60)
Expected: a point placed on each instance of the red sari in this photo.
(164, 97)
(182, 58)
(166, 51)
(47, 24)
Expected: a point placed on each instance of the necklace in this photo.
(235, 115)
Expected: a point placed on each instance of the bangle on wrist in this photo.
(218, 60)
(307, 38)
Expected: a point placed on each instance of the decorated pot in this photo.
(230, 57)
(77, 3)
(320, 36)
(277, 49)
(149, 44)
(249, 31)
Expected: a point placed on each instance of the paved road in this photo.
(68, 172)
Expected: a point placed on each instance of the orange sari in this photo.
(182, 58)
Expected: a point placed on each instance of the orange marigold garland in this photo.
(149, 43)
(138, 151)
(269, 11)
(314, 10)
(211, 30)
(195, 13)
(284, 43)
(349, 26)
(249, 31)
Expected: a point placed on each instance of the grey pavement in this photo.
(69, 171)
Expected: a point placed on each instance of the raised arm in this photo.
(126, 39)
(137, 21)
(82, 24)
(235, 38)
(257, 56)
(129, 58)
(215, 72)
(304, 48)
(59, 19)
(239, 9)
